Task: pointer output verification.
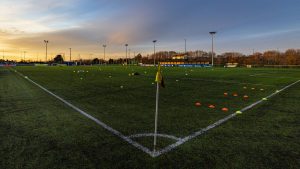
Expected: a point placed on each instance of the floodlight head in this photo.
(46, 41)
(126, 44)
(154, 41)
(104, 46)
(212, 33)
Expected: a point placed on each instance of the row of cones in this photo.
(236, 95)
(224, 109)
(198, 104)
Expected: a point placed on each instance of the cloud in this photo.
(86, 25)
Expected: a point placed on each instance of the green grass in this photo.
(38, 131)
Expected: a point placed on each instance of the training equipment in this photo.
(225, 109)
(264, 99)
(238, 112)
(245, 87)
(197, 104)
(225, 94)
(235, 94)
(211, 106)
(262, 89)
(159, 82)
(246, 97)
(159, 78)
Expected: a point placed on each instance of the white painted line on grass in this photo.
(219, 122)
(152, 134)
(226, 81)
(115, 132)
(169, 147)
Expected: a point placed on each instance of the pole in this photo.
(46, 42)
(212, 47)
(154, 50)
(212, 50)
(126, 45)
(156, 116)
(129, 54)
(104, 46)
(24, 55)
(184, 45)
(70, 55)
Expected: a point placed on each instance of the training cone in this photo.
(253, 88)
(246, 97)
(211, 106)
(238, 112)
(197, 104)
(225, 94)
(245, 87)
(262, 89)
(235, 94)
(225, 109)
(264, 98)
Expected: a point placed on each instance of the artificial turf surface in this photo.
(38, 131)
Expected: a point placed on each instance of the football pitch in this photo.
(103, 117)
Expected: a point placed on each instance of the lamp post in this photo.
(154, 41)
(126, 45)
(184, 45)
(70, 55)
(212, 47)
(46, 42)
(104, 46)
(24, 55)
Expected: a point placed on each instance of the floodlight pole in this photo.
(46, 42)
(126, 45)
(154, 41)
(70, 55)
(212, 47)
(129, 55)
(104, 46)
(24, 55)
(185, 46)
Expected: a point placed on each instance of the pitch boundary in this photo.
(143, 148)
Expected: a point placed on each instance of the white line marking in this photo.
(152, 134)
(169, 147)
(225, 81)
(219, 122)
(259, 74)
(115, 132)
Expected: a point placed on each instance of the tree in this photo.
(95, 61)
(58, 59)
(138, 57)
(291, 56)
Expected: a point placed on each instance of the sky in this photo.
(85, 25)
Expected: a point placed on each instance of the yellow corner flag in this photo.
(159, 78)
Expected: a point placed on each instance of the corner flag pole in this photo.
(156, 115)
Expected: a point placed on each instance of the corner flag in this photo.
(159, 82)
(159, 78)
